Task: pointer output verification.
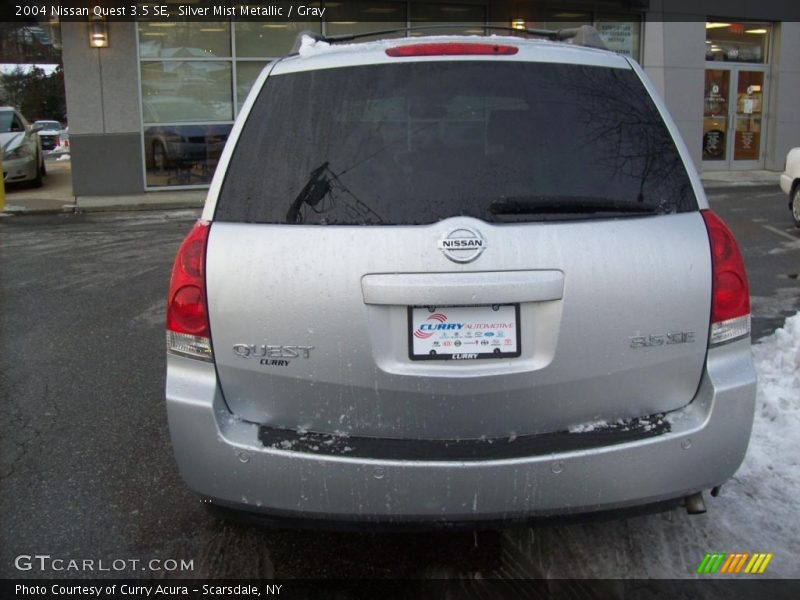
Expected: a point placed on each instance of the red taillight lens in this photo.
(452, 49)
(186, 302)
(730, 300)
(188, 312)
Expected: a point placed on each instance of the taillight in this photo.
(451, 49)
(188, 333)
(730, 296)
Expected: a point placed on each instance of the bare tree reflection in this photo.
(619, 118)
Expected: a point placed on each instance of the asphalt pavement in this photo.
(86, 467)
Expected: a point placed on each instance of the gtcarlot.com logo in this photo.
(46, 562)
(734, 563)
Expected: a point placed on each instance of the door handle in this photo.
(407, 289)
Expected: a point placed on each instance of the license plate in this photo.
(463, 332)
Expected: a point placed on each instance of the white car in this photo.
(50, 135)
(790, 183)
(22, 149)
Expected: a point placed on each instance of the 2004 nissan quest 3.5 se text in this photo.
(456, 279)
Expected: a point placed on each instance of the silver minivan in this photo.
(453, 278)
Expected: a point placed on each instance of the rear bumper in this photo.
(222, 458)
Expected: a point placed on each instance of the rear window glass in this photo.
(417, 142)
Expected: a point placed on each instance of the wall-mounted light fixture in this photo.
(98, 32)
(517, 23)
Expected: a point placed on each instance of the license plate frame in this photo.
(485, 333)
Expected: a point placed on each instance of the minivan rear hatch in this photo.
(454, 249)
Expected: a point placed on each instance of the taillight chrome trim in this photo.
(190, 346)
(730, 330)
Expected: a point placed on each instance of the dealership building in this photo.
(151, 108)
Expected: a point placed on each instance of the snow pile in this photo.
(647, 423)
(775, 443)
(588, 427)
(311, 47)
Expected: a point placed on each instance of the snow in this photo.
(587, 427)
(647, 423)
(775, 442)
(310, 47)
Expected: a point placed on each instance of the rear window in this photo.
(417, 142)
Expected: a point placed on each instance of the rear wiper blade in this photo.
(566, 205)
(314, 190)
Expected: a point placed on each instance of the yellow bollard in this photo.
(2, 188)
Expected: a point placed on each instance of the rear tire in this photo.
(795, 204)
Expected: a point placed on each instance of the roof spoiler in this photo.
(585, 35)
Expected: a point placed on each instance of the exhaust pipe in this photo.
(695, 504)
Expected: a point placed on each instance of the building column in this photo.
(673, 57)
(102, 89)
(783, 126)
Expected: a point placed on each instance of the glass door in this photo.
(733, 105)
(747, 120)
(716, 99)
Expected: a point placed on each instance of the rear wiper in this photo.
(566, 205)
(315, 189)
(322, 193)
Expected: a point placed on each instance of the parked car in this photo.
(23, 160)
(790, 183)
(50, 135)
(178, 146)
(456, 279)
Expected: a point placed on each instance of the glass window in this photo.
(246, 74)
(418, 142)
(563, 18)
(260, 39)
(737, 42)
(747, 130)
(620, 34)
(174, 91)
(464, 18)
(195, 39)
(10, 121)
(183, 154)
(715, 114)
(365, 17)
